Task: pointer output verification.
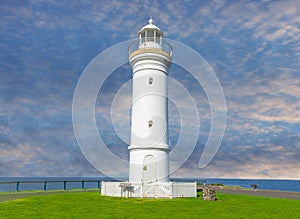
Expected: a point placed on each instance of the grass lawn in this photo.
(93, 205)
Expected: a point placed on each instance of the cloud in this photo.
(252, 46)
(272, 161)
(265, 99)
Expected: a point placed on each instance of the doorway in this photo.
(149, 169)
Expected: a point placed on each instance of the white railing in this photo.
(150, 43)
(184, 189)
(111, 189)
(154, 189)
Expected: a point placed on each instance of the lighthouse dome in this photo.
(150, 25)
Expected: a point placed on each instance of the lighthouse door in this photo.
(149, 169)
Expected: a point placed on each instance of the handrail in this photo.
(45, 182)
(150, 43)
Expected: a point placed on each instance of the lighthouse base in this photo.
(149, 190)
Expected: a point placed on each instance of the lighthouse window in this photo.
(150, 35)
(158, 37)
(150, 124)
(143, 37)
(150, 80)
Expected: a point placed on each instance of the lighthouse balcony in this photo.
(149, 147)
(150, 45)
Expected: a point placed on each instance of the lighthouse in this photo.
(150, 58)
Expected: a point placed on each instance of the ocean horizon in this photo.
(57, 183)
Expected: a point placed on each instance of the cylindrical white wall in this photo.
(149, 109)
(149, 148)
(137, 166)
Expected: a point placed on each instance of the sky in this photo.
(252, 46)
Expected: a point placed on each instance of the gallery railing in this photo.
(150, 43)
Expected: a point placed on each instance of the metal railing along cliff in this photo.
(45, 183)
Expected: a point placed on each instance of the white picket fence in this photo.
(151, 190)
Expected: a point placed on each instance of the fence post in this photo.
(82, 184)
(45, 186)
(98, 184)
(18, 186)
(65, 185)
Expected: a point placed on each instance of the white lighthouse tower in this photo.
(150, 58)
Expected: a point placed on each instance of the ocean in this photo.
(263, 184)
(57, 183)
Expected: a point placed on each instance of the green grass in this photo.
(93, 205)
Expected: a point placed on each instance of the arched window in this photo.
(150, 80)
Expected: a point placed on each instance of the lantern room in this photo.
(150, 36)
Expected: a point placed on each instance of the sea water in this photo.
(263, 184)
